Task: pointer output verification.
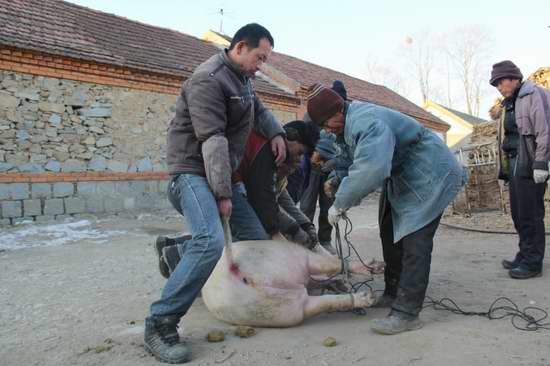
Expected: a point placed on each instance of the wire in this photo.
(529, 319)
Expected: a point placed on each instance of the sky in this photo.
(348, 35)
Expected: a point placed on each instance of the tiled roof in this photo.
(66, 29)
(465, 116)
(308, 74)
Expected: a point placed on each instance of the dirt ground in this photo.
(82, 302)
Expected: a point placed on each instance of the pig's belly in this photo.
(268, 290)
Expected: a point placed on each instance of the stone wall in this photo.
(60, 127)
(49, 201)
(49, 124)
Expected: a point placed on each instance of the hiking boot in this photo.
(162, 340)
(384, 301)
(161, 243)
(523, 273)
(171, 257)
(395, 323)
(509, 264)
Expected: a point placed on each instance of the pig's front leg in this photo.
(316, 305)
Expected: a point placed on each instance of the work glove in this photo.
(540, 175)
(334, 215)
(311, 231)
(301, 237)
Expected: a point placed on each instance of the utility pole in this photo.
(221, 20)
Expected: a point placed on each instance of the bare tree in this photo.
(468, 49)
(420, 56)
(378, 72)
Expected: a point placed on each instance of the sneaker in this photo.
(162, 340)
(395, 323)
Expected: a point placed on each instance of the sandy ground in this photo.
(82, 302)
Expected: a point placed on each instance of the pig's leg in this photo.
(316, 305)
(320, 264)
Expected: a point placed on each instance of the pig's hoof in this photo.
(363, 299)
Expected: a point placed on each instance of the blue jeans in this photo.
(202, 252)
(191, 196)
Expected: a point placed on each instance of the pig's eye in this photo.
(245, 280)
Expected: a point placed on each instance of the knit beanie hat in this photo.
(306, 133)
(505, 70)
(323, 103)
(339, 88)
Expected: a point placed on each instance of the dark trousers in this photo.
(527, 206)
(308, 204)
(407, 262)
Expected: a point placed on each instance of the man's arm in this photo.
(287, 204)
(371, 165)
(208, 113)
(540, 115)
(260, 189)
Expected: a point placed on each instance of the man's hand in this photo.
(225, 207)
(301, 237)
(311, 231)
(540, 175)
(328, 187)
(334, 215)
(278, 147)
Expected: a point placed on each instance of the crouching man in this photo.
(419, 177)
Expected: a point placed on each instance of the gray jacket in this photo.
(215, 111)
(532, 111)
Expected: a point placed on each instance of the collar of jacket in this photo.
(237, 69)
(528, 87)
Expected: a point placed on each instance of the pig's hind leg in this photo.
(331, 265)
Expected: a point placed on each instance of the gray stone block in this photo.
(73, 166)
(62, 217)
(117, 166)
(4, 191)
(95, 112)
(97, 164)
(19, 191)
(32, 208)
(144, 165)
(163, 186)
(22, 220)
(86, 188)
(113, 204)
(106, 188)
(152, 186)
(11, 209)
(5, 222)
(138, 187)
(4, 167)
(45, 218)
(123, 188)
(129, 203)
(75, 205)
(94, 204)
(41, 190)
(104, 141)
(31, 168)
(53, 166)
(63, 189)
(55, 120)
(22, 135)
(54, 207)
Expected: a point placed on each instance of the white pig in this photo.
(268, 289)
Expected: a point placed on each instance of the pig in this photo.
(266, 285)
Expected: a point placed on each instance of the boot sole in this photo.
(526, 277)
(389, 332)
(163, 267)
(160, 359)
